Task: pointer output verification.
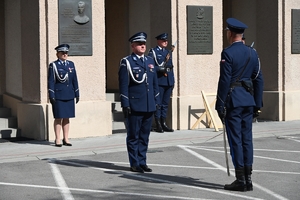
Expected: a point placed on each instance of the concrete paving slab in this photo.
(184, 167)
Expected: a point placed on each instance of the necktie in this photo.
(142, 59)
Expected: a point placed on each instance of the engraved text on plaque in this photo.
(199, 30)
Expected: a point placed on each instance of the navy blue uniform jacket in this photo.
(62, 81)
(159, 57)
(138, 84)
(233, 59)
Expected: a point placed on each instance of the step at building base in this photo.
(119, 127)
(10, 133)
(9, 122)
(5, 112)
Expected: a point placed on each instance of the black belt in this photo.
(236, 84)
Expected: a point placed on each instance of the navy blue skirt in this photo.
(63, 109)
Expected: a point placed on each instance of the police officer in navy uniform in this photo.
(165, 75)
(139, 97)
(239, 99)
(63, 89)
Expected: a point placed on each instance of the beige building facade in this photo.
(31, 32)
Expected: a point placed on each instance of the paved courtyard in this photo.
(186, 165)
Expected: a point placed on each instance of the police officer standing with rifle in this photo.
(165, 75)
(239, 99)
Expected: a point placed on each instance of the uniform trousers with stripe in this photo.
(138, 131)
(238, 123)
(165, 95)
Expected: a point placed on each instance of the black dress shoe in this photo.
(164, 126)
(57, 145)
(158, 129)
(67, 144)
(136, 169)
(146, 168)
(237, 185)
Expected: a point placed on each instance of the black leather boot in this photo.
(239, 184)
(164, 125)
(248, 172)
(158, 126)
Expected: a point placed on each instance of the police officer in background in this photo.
(243, 39)
(239, 99)
(139, 96)
(165, 75)
(62, 88)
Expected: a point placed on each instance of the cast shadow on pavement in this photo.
(162, 178)
(124, 172)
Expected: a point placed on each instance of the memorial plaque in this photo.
(199, 30)
(295, 31)
(75, 26)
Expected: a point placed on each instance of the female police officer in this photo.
(62, 88)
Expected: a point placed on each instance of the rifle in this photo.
(168, 57)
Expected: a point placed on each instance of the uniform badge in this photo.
(151, 66)
(70, 69)
(223, 61)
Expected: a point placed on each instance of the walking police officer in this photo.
(139, 96)
(62, 88)
(165, 75)
(239, 99)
